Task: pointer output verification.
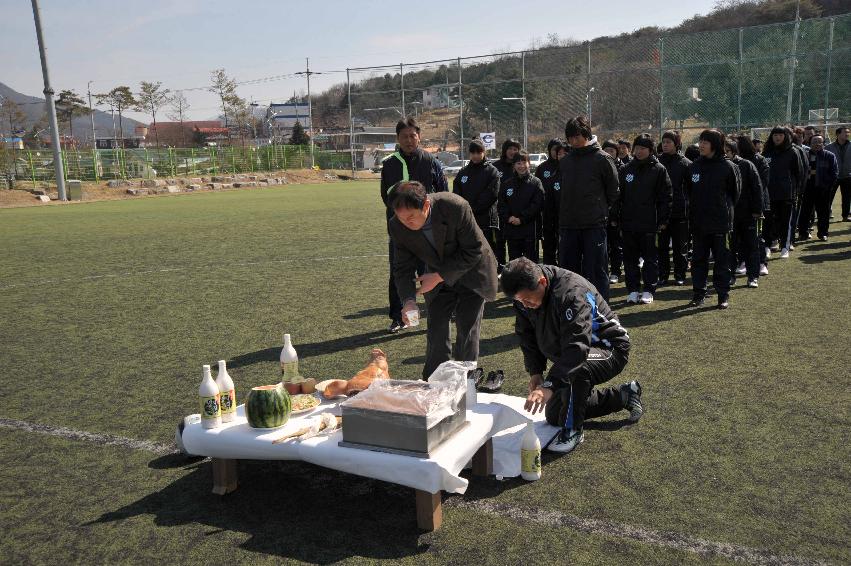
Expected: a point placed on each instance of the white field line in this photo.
(548, 518)
(187, 268)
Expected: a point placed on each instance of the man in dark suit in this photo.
(440, 230)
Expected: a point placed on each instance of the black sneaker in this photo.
(697, 301)
(478, 375)
(631, 396)
(723, 302)
(494, 382)
(395, 326)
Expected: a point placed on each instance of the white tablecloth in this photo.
(492, 416)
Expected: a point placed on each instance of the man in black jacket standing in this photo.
(410, 163)
(589, 187)
(715, 188)
(561, 318)
(748, 211)
(478, 184)
(549, 175)
(676, 234)
(613, 231)
(441, 231)
(521, 200)
(641, 212)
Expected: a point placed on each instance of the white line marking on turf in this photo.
(552, 518)
(677, 541)
(96, 438)
(188, 268)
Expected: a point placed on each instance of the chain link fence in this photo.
(737, 80)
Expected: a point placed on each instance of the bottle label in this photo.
(210, 407)
(228, 402)
(530, 461)
(289, 370)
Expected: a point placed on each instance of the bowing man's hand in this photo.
(428, 282)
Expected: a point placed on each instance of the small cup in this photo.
(413, 317)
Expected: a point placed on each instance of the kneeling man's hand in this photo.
(537, 400)
(428, 282)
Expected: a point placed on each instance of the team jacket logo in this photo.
(556, 186)
(568, 314)
(464, 179)
(629, 177)
(547, 174)
(695, 178)
(509, 192)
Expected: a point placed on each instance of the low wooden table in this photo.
(429, 505)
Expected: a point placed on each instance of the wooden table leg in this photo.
(224, 476)
(483, 459)
(429, 510)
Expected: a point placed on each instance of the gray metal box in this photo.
(398, 433)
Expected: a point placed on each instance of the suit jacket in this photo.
(463, 256)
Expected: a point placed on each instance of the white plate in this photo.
(321, 388)
(298, 412)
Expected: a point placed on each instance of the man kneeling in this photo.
(562, 318)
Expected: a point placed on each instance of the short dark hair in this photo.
(746, 147)
(578, 126)
(715, 139)
(521, 274)
(732, 146)
(521, 155)
(407, 123)
(692, 152)
(407, 194)
(624, 142)
(476, 146)
(840, 129)
(611, 144)
(675, 137)
(645, 140)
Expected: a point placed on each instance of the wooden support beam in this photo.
(224, 476)
(429, 510)
(483, 459)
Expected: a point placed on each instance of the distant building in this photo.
(281, 118)
(13, 143)
(175, 134)
(436, 96)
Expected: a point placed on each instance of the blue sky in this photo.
(179, 42)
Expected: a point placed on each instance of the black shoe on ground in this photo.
(477, 375)
(395, 326)
(822, 238)
(493, 383)
(631, 397)
(697, 301)
(723, 302)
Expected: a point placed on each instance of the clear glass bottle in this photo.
(227, 393)
(209, 401)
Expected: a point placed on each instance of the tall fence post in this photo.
(827, 80)
(523, 95)
(739, 98)
(402, 85)
(661, 86)
(793, 63)
(461, 106)
(351, 124)
(95, 165)
(32, 166)
(588, 83)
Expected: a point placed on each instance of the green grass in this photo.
(109, 309)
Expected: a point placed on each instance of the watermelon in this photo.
(268, 406)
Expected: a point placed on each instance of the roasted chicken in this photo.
(376, 368)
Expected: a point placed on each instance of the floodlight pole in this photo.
(51, 107)
(307, 73)
(92, 114)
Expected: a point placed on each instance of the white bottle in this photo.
(227, 393)
(211, 414)
(289, 361)
(530, 455)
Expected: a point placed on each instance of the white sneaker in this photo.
(753, 283)
(613, 279)
(632, 298)
(791, 247)
(763, 269)
(767, 252)
(646, 298)
(741, 270)
(640, 262)
(565, 441)
(784, 253)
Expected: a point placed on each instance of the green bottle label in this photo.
(228, 402)
(289, 370)
(210, 407)
(530, 461)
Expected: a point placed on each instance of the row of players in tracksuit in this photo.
(653, 216)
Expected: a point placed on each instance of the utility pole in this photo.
(793, 62)
(307, 72)
(51, 108)
(92, 113)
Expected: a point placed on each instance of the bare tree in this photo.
(152, 97)
(179, 107)
(12, 113)
(225, 88)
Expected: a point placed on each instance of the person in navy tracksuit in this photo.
(548, 173)
(521, 200)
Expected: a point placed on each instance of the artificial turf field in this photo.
(109, 309)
